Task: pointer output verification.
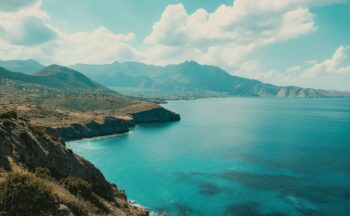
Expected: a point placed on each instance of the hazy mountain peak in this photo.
(192, 62)
(54, 70)
(189, 78)
(28, 66)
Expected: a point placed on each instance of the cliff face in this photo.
(31, 147)
(158, 114)
(112, 125)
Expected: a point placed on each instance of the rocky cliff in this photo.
(110, 125)
(30, 147)
(113, 125)
(158, 114)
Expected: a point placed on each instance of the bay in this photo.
(234, 156)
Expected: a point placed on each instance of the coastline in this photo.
(156, 115)
(112, 125)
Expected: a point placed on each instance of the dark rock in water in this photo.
(158, 114)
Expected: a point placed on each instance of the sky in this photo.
(284, 42)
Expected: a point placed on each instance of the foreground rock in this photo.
(26, 147)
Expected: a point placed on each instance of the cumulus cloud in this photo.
(312, 73)
(98, 46)
(228, 35)
(26, 33)
(26, 26)
(334, 65)
(225, 37)
(95, 47)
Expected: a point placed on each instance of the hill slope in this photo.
(26, 149)
(189, 78)
(24, 66)
(77, 107)
(56, 77)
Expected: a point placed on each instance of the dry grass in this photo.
(75, 203)
(53, 108)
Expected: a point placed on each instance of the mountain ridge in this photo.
(56, 77)
(190, 77)
(24, 66)
(185, 81)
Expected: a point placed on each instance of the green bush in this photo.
(23, 195)
(83, 189)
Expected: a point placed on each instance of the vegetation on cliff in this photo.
(40, 176)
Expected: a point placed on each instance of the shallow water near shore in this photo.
(234, 156)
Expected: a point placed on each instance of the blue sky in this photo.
(289, 42)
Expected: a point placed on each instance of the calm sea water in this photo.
(235, 156)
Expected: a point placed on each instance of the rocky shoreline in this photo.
(113, 125)
(29, 147)
(26, 148)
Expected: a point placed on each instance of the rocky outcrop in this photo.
(109, 126)
(31, 147)
(158, 114)
(113, 125)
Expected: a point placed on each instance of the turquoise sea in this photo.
(234, 156)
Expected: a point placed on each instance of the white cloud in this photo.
(98, 46)
(228, 35)
(334, 65)
(170, 27)
(26, 33)
(26, 26)
(225, 37)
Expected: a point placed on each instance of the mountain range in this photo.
(190, 78)
(185, 80)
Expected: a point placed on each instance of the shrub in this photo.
(42, 173)
(37, 130)
(23, 195)
(82, 189)
(77, 186)
(8, 115)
